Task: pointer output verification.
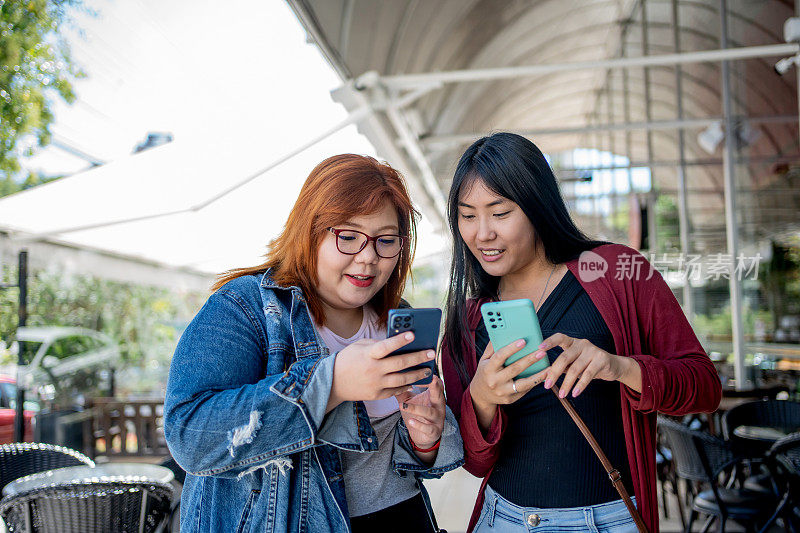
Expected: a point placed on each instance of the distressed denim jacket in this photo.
(245, 417)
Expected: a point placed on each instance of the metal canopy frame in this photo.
(416, 148)
(406, 81)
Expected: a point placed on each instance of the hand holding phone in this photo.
(368, 370)
(511, 353)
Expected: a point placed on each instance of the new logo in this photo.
(591, 266)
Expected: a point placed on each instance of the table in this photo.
(108, 472)
(769, 435)
(755, 441)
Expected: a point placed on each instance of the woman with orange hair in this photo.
(282, 404)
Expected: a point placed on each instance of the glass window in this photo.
(9, 395)
(28, 350)
(69, 346)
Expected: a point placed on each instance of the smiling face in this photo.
(347, 282)
(495, 230)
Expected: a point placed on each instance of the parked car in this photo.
(8, 401)
(53, 352)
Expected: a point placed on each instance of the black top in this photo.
(545, 460)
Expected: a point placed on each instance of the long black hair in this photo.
(513, 167)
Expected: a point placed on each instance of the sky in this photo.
(237, 86)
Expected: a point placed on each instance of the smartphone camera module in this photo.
(402, 323)
(496, 320)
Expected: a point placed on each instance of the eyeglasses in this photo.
(351, 242)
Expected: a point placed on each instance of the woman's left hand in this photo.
(424, 414)
(583, 361)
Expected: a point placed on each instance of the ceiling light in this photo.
(783, 66)
(709, 138)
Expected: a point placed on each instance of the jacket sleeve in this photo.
(677, 375)
(224, 416)
(480, 451)
(449, 457)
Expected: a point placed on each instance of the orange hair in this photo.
(339, 188)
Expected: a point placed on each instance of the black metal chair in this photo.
(20, 459)
(177, 484)
(700, 457)
(783, 464)
(767, 413)
(89, 507)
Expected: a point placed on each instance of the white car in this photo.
(52, 352)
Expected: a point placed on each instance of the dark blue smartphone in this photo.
(425, 325)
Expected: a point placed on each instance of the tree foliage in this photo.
(35, 69)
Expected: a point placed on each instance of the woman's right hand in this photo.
(362, 371)
(494, 384)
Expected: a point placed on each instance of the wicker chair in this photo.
(128, 506)
(24, 458)
(700, 457)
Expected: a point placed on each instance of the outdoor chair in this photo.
(667, 478)
(764, 413)
(783, 463)
(177, 484)
(700, 457)
(24, 458)
(130, 506)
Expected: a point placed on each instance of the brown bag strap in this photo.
(613, 473)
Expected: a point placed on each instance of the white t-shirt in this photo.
(369, 330)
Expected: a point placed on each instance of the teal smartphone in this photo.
(510, 321)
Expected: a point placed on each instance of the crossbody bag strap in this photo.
(613, 473)
(428, 506)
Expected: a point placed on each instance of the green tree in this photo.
(35, 69)
(668, 224)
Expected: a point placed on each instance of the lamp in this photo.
(709, 138)
(783, 66)
(791, 34)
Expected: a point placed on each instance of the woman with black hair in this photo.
(617, 341)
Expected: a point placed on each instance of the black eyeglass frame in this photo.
(337, 231)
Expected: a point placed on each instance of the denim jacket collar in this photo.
(306, 342)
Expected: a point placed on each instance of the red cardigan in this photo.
(644, 318)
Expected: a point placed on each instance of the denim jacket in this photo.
(245, 417)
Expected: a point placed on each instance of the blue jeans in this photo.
(499, 515)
